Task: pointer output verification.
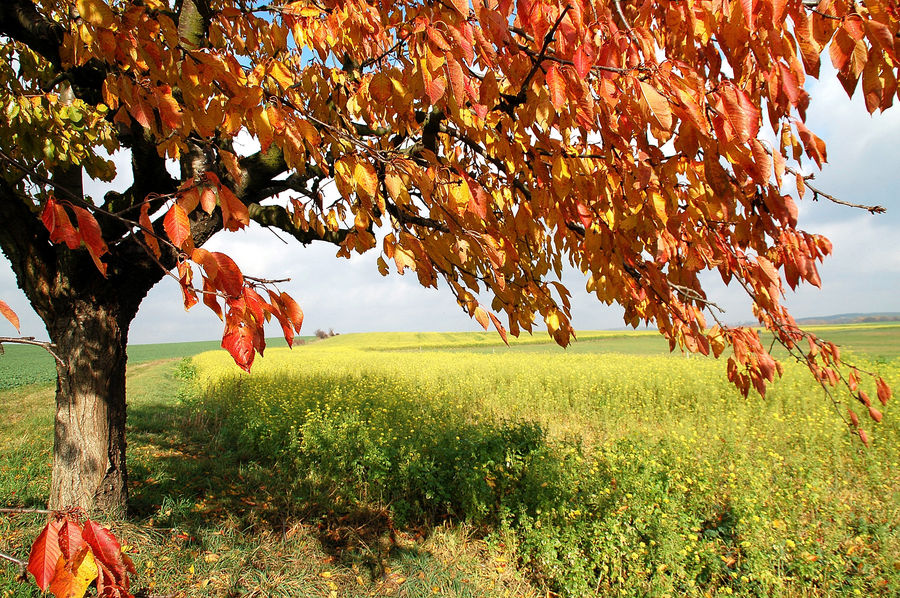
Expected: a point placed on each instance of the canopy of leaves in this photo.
(488, 145)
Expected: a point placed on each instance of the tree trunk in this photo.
(89, 442)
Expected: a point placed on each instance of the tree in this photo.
(485, 145)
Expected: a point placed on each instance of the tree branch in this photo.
(278, 217)
(29, 340)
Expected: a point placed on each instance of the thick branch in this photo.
(278, 217)
(21, 21)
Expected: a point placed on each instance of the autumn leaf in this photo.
(57, 223)
(45, 553)
(556, 85)
(148, 233)
(92, 237)
(658, 104)
(9, 314)
(178, 227)
(73, 577)
(238, 341)
(95, 12)
(366, 178)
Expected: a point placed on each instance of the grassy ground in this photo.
(366, 465)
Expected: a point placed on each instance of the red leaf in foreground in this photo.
(44, 555)
(70, 539)
(238, 341)
(9, 314)
(107, 551)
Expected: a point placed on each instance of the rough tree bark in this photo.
(89, 439)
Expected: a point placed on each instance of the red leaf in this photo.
(44, 555)
(863, 436)
(238, 341)
(70, 539)
(107, 551)
(92, 237)
(292, 311)
(556, 85)
(435, 89)
(583, 61)
(57, 222)
(141, 112)
(854, 419)
(185, 276)
(178, 227)
(256, 304)
(210, 299)
(149, 235)
(500, 329)
(884, 391)
(479, 200)
(9, 314)
(228, 277)
(875, 414)
(278, 312)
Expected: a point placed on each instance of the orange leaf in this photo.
(95, 12)
(178, 227)
(73, 578)
(366, 178)
(92, 237)
(482, 317)
(556, 85)
(9, 314)
(659, 105)
(292, 311)
(238, 341)
(149, 235)
(884, 391)
(235, 215)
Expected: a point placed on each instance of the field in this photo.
(447, 464)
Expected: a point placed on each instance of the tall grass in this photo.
(606, 474)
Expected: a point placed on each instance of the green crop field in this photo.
(423, 464)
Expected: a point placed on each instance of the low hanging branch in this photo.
(30, 340)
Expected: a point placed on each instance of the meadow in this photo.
(448, 464)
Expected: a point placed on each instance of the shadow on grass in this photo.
(351, 460)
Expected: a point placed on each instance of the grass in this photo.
(366, 465)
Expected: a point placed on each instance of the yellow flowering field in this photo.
(601, 473)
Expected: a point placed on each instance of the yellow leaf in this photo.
(281, 74)
(95, 12)
(659, 206)
(365, 178)
(73, 578)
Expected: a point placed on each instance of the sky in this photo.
(862, 275)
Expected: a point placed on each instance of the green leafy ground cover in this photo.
(371, 465)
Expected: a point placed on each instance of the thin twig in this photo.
(819, 193)
(19, 563)
(29, 340)
(23, 510)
